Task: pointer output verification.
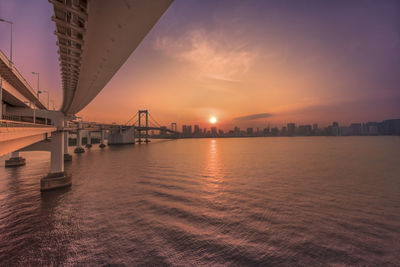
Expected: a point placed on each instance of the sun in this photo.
(213, 120)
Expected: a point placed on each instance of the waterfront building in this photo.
(355, 128)
(275, 131)
(291, 128)
(187, 130)
(335, 129)
(391, 127)
(345, 131)
(236, 131)
(305, 130)
(214, 131)
(196, 129)
(284, 131)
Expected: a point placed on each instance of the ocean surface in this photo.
(312, 201)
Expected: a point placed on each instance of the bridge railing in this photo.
(33, 95)
(20, 119)
(12, 123)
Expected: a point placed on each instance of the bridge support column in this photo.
(146, 115)
(67, 156)
(79, 148)
(57, 177)
(89, 140)
(102, 145)
(15, 160)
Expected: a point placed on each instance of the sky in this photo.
(248, 63)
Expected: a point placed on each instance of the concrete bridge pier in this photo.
(67, 156)
(89, 140)
(15, 160)
(102, 133)
(57, 177)
(79, 148)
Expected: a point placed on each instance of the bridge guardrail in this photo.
(14, 71)
(12, 123)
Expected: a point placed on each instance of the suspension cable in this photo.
(159, 125)
(131, 118)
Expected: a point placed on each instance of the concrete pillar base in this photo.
(88, 145)
(67, 157)
(79, 150)
(102, 145)
(55, 180)
(15, 162)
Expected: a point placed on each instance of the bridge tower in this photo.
(173, 127)
(144, 113)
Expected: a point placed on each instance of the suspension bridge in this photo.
(143, 122)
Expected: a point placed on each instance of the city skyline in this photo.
(247, 63)
(385, 127)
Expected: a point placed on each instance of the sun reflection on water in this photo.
(213, 171)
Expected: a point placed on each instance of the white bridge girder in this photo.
(15, 138)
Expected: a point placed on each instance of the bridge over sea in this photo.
(94, 40)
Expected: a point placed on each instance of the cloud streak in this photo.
(211, 57)
(253, 117)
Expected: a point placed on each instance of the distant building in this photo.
(373, 130)
(391, 127)
(345, 131)
(355, 128)
(187, 130)
(196, 129)
(335, 129)
(284, 131)
(275, 131)
(184, 130)
(305, 130)
(315, 129)
(250, 131)
(291, 128)
(236, 131)
(214, 131)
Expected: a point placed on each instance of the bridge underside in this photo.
(95, 38)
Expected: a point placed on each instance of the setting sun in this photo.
(213, 120)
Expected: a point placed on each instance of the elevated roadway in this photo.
(16, 90)
(95, 38)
